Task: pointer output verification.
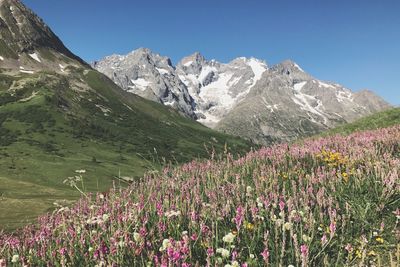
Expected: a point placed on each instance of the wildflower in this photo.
(106, 217)
(306, 238)
(304, 250)
(3, 263)
(287, 226)
(345, 177)
(358, 254)
(80, 171)
(228, 238)
(379, 240)
(184, 232)
(349, 248)
(324, 239)
(372, 253)
(224, 252)
(210, 251)
(290, 265)
(252, 256)
(219, 260)
(249, 226)
(249, 189)
(15, 258)
(265, 254)
(235, 264)
(165, 244)
(137, 237)
(90, 249)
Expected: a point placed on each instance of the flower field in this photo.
(333, 201)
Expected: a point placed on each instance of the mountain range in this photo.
(244, 97)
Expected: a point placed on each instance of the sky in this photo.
(352, 42)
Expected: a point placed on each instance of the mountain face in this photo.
(150, 76)
(245, 97)
(58, 115)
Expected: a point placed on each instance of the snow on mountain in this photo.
(244, 97)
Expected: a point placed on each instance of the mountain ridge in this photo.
(307, 105)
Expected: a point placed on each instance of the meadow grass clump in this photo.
(333, 201)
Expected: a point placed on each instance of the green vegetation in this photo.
(51, 126)
(378, 120)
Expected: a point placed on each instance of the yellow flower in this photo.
(379, 240)
(249, 226)
(358, 254)
(345, 177)
(372, 253)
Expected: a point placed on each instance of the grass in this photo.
(378, 120)
(50, 128)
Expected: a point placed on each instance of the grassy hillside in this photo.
(378, 120)
(52, 125)
(328, 202)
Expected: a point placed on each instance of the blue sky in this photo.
(352, 42)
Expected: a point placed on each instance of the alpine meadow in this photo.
(134, 158)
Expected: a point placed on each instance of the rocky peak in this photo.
(192, 64)
(21, 31)
(291, 70)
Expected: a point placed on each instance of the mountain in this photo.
(247, 98)
(58, 115)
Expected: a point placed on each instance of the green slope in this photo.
(52, 125)
(378, 120)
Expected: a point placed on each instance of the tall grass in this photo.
(327, 202)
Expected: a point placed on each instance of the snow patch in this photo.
(322, 84)
(218, 91)
(140, 83)
(298, 67)
(301, 100)
(103, 109)
(258, 69)
(169, 103)
(344, 96)
(1, 58)
(162, 71)
(187, 64)
(35, 57)
(205, 72)
(27, 71)
(299, 86)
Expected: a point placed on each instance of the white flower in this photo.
(90, 249)
(15, 258)
(227, 265)
(290, 265)
(260, 205)
(252, 256)
(228, 238)
(249, 189)
(106, 217)
(165, 244)
(80, 171)
(306, 238)
(172, 213)
(137, 237)
(235, 264)
(184, 232)
(224, 252)
(287, 226)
